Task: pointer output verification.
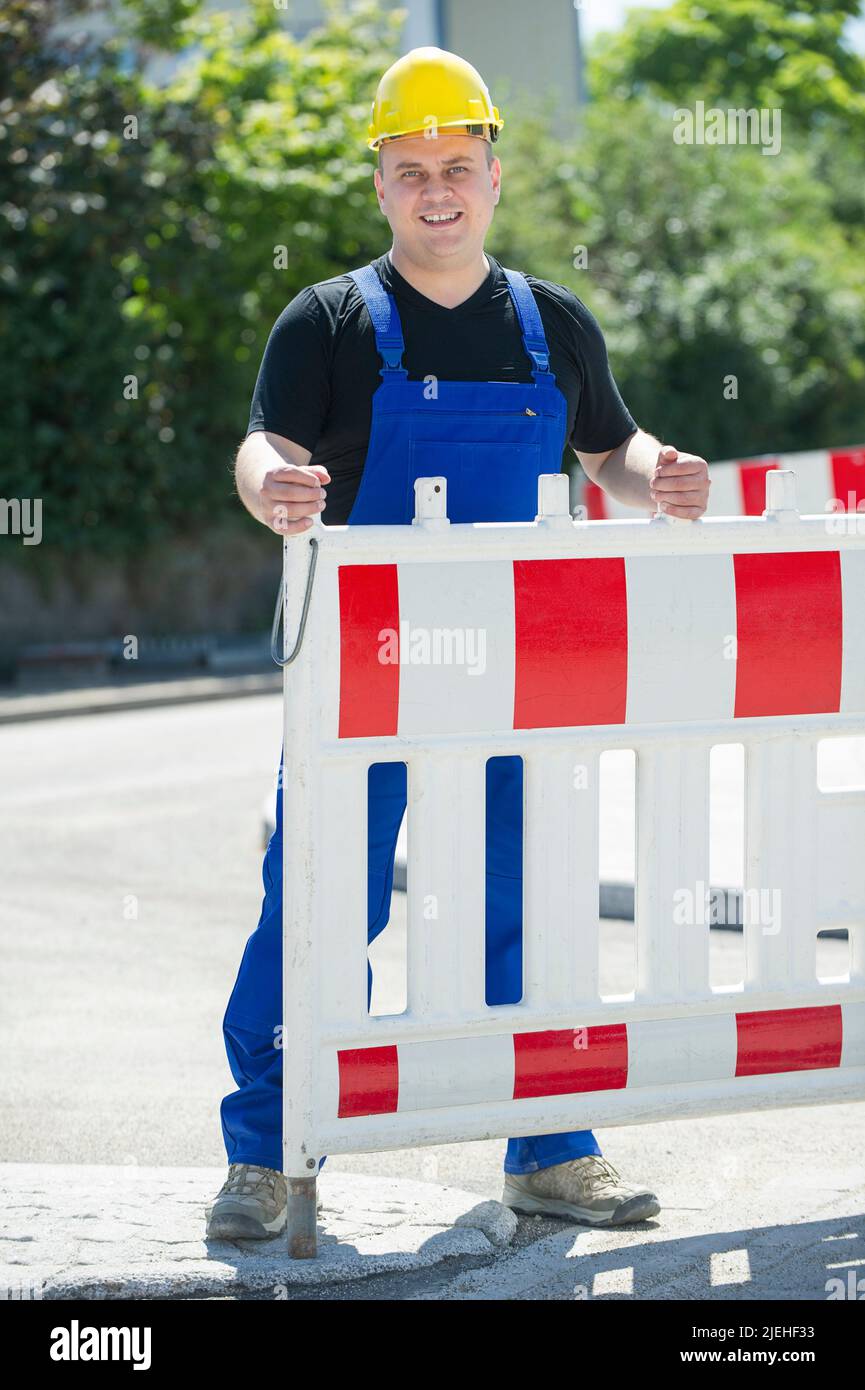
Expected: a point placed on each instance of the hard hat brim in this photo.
(484, 130)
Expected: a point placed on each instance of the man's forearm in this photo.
(254, 457)
(626, 472)
(277, 485)
(643, 473)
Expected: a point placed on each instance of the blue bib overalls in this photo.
(491, 440)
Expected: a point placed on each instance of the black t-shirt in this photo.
(321, 367)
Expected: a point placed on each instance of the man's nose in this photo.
(437, 191)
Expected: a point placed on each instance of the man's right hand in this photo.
(291, 497)
(278, 485)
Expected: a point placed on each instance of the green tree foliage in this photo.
(156, 233)
(706, 262)
(142, 226)
(703, 263)
(742, 52)
(754, 54)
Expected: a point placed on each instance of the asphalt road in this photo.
(130, 856)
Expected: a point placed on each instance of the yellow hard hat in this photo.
(430, 88)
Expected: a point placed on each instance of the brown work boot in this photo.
(587, 1189)
(250, 1205)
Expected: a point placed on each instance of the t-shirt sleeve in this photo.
(292, 392)
(602, 421)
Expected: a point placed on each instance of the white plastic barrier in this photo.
(823, 477)
(654, 635)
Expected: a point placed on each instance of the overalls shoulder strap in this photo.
(385, 318)
(388, 329)
(534, 337)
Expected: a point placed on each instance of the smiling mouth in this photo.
(440, 219)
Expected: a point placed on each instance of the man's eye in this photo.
(461, 168)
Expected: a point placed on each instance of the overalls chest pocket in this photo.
(487, 481)
(491, 458)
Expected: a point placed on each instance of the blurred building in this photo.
(519, 50)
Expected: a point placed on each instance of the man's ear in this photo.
(496, 172)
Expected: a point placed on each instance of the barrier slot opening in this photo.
(726, 865)
(387, 965)
(617, 844)
(503, 918)
(841, 781)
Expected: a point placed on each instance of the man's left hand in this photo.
(680, 483)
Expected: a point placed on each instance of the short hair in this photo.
(491, 154)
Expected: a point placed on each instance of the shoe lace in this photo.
(244, 1179)
(594, 1171)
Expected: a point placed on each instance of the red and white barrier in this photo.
(608, 1057)
(443, 645)
(823, 477)
(617, 640)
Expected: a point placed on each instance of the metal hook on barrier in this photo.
(277, 613)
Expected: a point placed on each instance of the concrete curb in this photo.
(108, 1232)
(109, 699)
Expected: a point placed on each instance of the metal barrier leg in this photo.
(300, 1218)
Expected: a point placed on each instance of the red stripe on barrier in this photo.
(789, 1040)
(848, 476)
(368, 686)
(594, 501)
(788, 628)
(571, 634)
(562, 1062)
(752, 481)
(368, 1081)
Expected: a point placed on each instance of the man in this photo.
(434, 360)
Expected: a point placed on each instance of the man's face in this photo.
(448, 177)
